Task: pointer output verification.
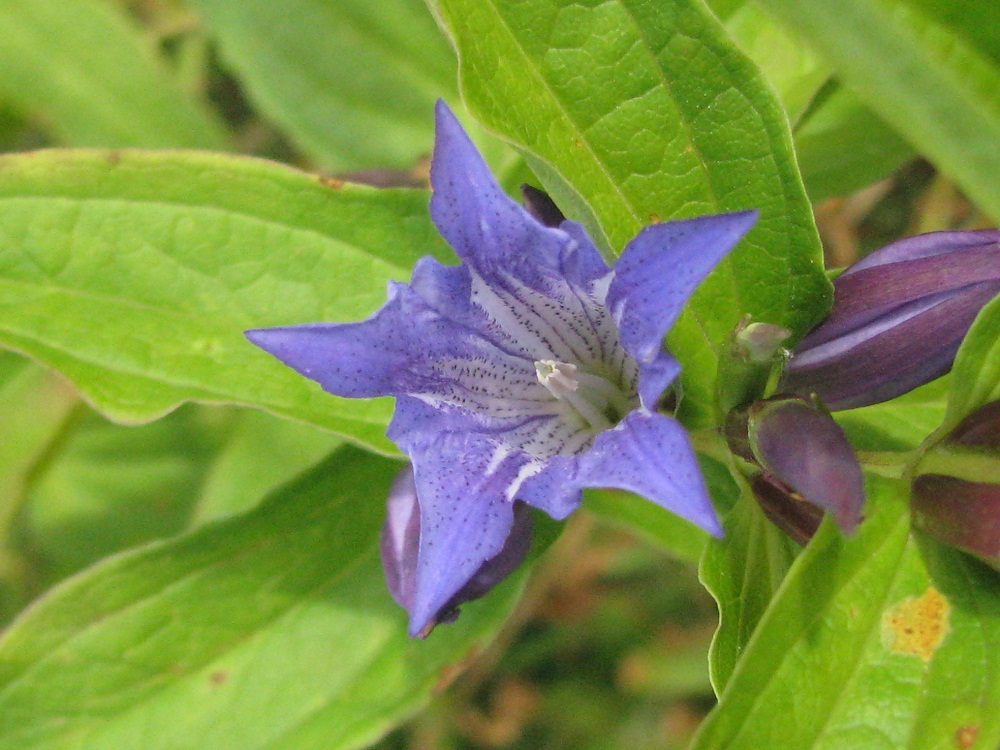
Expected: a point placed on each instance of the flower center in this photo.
(596, 399)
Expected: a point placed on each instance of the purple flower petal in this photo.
(656, 275)
(649, 454)
(491, 232)
(465, 488)
(400, 550)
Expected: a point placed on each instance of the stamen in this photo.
(564, 380)
(559, 378)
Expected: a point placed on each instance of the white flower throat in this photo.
(596, 399)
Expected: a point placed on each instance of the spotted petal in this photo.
(491, 232)
(654, 278)
(465, 516)
(649, 454)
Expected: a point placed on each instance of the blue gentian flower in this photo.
(529, 372)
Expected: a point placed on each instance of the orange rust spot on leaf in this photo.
(331, 182)
(218, 678)
(917, 625)
(654, 218)
(966, 737)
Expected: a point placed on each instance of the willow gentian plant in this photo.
(529, 372)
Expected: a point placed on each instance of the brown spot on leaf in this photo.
(331, 182)
(218, 678)
(966, 737)
(113, 157)
(654, 218)
(917, 625)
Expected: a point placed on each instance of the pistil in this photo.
(589, 395)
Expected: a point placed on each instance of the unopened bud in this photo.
(400, 546)
(801, 450)
(786, 509)
(959, 513)
(981, 429)
(538, 203)
(898, 318)
(753, 352)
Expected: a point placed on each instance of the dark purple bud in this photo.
(981, 429)
(400, 545)
(959, 513)
(898, 318)
(801, 449)
(786, 509)
(541, 206)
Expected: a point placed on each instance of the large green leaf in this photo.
(272, 629)
(872, 642)
(261, 453)
(901, 424)
(842, 146)
(104, 487)
(976, 19)
(83, 70)
(791, 67)
(742, 571)
(35, 406)
(134, 274)
(352, 82)
(635, 111)
(975, 378)
(935, 89)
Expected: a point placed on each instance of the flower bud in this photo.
(540, 205)
(803, 453)
(753, 351)
(786, 509)
(959, 513)
(400, 546)
(898, 318)
(981, 429)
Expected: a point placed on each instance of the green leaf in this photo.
(83, 70)
(742, 571)
(843, 146)
(104, 487)
(937, 91)
(791, 67)
(975, 376)
(272, 629)
(261, 453)
(872, 641)
(978, 21)
(35, 406)
(646, 111)
(649, 522)
(352, 82)
(135, 274)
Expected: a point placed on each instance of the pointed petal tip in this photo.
(443, 116)
(263, 338)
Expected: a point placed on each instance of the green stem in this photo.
(971, 465)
